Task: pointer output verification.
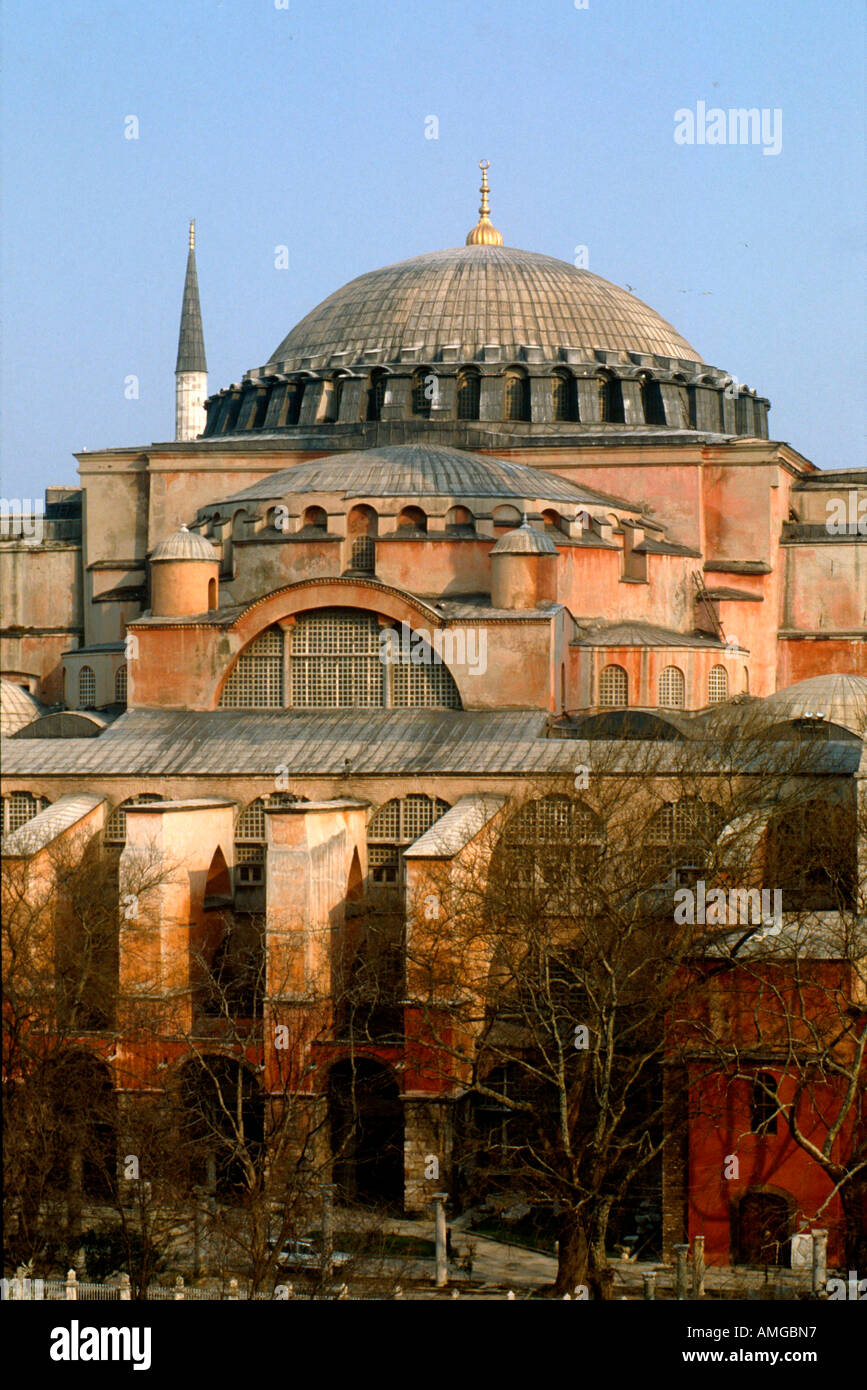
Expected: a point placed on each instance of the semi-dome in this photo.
(18, 708)
(838, 698)
(184, 545)
(525, 540)
(415, 471)
(472, 297)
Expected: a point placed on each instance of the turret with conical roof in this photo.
(191, 368)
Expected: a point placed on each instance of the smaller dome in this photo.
(840, 698)
(524, 540)
(18, 708)
(185, 545)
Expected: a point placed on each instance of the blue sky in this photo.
(305, 127)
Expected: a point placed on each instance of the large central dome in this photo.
(470, 298)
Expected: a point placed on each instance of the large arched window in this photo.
(19, 808)
(565, 396)
(613, 686)
(682, 836)
(717, 685)
(546, 854)
(120, 683)
(672, 688)
(341, 658)
(376, 394)
(86, 687)
(611, 400)
(256, 679)
(653, 408)
(469, 395)
(516, 396)
(115, 826)
(811, 855)
(394, 827)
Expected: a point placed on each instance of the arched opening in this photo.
(516, 396)
(412, 519)
(611, 400)
(460, 522)
(468, 395)
(86, 688)
(545, 858)
(120, 679)
(672, 688)
(221, 1124)
(564, 396)
(332, 402)
(376, 394)
(394, 827)
(367, 1132)
(315, 519)
(82, 1133)
(505, 518)
(613, 686)
(361, 527)
(764, 1229)
(115, 826)
(292, 403)
(811, 855)
(553, 521)
(218, 883)
(681, 839)
(256, 679)
(212, 594)
(764, 1104)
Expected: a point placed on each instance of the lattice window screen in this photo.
(115, 827)
(717, 685)
(256, 679)
(672, 688)
(86, 687)
(613, 686)
(19, 808)
(120, 683)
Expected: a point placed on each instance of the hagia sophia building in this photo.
(512, 476)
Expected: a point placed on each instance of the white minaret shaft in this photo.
(191, 369)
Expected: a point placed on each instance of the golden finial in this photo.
(483, 234)
(192, 234)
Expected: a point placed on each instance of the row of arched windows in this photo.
(87, 686)
(671, 687)
(255, 410)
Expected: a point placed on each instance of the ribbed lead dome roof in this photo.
(472, 296)
(184, 545)
(416, 470)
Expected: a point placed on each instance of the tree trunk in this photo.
(573, 1254)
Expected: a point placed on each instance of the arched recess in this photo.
(545, 857)
(412, 520)
(220, 1124)
(367, 1132)
(763, 1227)
(81, 1140)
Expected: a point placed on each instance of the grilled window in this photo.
(396, 825)
(516, 397)
(717, 685)
(764, 1104)
(256, 679)
(672, 688)
(19, 808)
(86, 687)
(613, 686)
(115, 826)
(376, 395)
(364, 554)
(120, 685)
(250, 837)
(565, 397)
(424, 392)
(469, 394)
(547, 852)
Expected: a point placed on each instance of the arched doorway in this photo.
(366, 1119)
(764, 1229)
(221, 1124)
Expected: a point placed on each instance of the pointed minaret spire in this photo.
(191, 368)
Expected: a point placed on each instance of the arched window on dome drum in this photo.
(86, 688)
(115, 827)
(394, 827)
(672, 688)
(120, 683)
(717, 685)
(424, 389)
(611, 400)
(652, 405)
(19, 808)
(315, 517)
(516, 396)
(613, 686)
(256, 679)
(292, 403)
(469, 395)
(565, 396)
(412, 519)
(376, 395)
(333, 393)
